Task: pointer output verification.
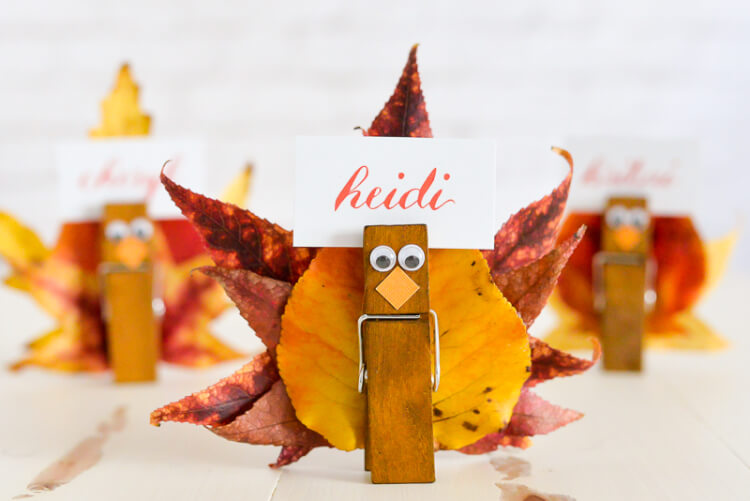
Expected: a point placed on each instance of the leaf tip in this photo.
(565, 154)
(597, 353)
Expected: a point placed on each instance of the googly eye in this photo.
(639, 218)
(382, 258)
(411, 257)
(142, 228)
(117, 230)
(616, 216)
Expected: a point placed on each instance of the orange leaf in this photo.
(532, 416)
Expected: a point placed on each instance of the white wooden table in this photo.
(678, 431)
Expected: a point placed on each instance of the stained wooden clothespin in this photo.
(620, 281)
(396, 369)
(126, 274)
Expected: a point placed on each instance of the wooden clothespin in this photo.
(396, 370)
(620, 281)
(126, 274)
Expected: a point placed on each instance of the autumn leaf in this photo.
(484, 348)
(261, 300)
(237, 238)
(528, 287)
(191, 302)
(548, 363)
(21, 247)
(529, 414)
(532, 416)
(62, 285)
(405, 113)
(237, 191)
(531, 232)
(681, 264)
(272, 421)
(121, 113)
(224, 401)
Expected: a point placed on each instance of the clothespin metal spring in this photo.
(363, 369)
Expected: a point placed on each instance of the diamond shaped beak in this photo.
(131, 252)
(627, 237)
(397, 288)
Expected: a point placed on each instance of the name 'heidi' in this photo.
(412, 197)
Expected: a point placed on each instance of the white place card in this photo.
(346, 183)
(664, 171)
(97, 172)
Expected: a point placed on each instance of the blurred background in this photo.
(246, 77)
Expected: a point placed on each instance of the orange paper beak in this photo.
(131, 252)
(627, 237)
(397, 288)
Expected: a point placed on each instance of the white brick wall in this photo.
(248, 76)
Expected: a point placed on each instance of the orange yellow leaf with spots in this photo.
(484, 348)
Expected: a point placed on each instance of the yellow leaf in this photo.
(65, 349)
(484, 348)
(19, 245)
(236, 192)
(682, 331)
(717, 257)
(121, 113)
(679, 331)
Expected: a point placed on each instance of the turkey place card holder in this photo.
(622, 279)
(396, 188)
(396, 372)
(127, 281)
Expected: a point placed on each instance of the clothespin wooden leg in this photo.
(396, 350)
(127, 288)
(620, 282)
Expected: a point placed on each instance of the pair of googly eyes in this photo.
(140, 227)
(411, 258)
(619, 215)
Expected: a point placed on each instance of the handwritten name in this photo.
(634, 173)
(377, 197)
(113, 175)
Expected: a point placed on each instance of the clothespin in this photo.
(126, 274)
(621, 275)
(396, 370)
